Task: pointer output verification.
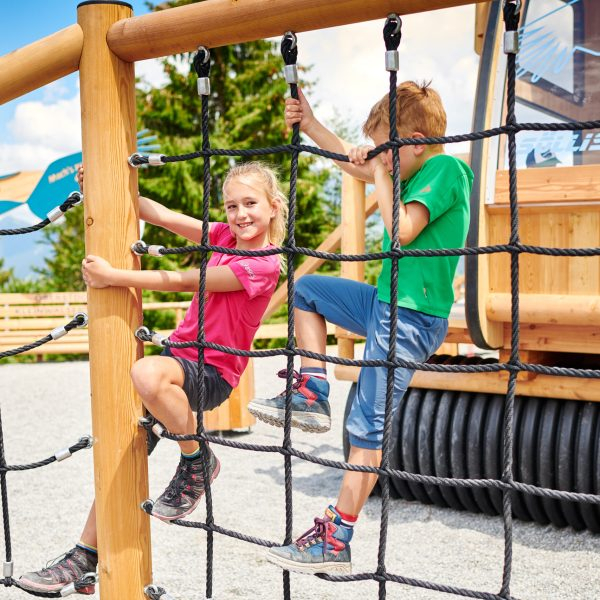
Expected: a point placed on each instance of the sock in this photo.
(193, 456)
(317, 372)
(87, 548)
(347, 520)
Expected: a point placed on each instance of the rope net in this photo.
(506, 484)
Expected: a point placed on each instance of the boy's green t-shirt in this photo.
(443, 184)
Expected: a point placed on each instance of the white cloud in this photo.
(51, 127)
(348, 63)
(26, 157)
(151, 73)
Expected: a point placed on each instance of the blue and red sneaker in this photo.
(310, 405)
(325, 548)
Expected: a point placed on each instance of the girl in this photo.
(239, 289)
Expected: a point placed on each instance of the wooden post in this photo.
(120, 464)
(353, 241)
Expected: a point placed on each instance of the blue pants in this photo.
(355, 306)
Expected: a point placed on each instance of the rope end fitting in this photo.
(392, 34)
(137, 160)
(143, 334)
(511, 42)
(82, 319)
(289, 51)
(7, 570)
(155, 592)
(202, 67)
(139, 248)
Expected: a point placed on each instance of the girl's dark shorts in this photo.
(217, 390)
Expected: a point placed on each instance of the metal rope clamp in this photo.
(7, 569)
(71, 589)
(392, 58)
(204, 82)
(291, 71)
(511, 38)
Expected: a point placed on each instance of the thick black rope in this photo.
(139, 160)
(202, 67)
(511, 22)
(392, 33)
(77, 321)
(289, 52)
(4, 498)
(73, 200)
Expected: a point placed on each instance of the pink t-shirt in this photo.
(231, 318)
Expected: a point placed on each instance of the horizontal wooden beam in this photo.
(545, 386)
(214, 23)
(40, 63)
(552, 309)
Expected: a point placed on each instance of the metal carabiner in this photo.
(517, 4)
(206, 54)
(290, 35)
(394, 17)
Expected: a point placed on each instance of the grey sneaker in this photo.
(186, 489)
(310, 405)
(71, 567)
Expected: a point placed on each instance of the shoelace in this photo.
(319, 532)
(54, 561)
(178, 483)
(283, 375)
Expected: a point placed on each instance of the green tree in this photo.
(246, 111)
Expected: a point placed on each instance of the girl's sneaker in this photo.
(186, 489)
(325, 548)
(72, 567)
(310, 405)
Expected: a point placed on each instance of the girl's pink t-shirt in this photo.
(231, 318)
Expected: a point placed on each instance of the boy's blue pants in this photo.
(355, 306)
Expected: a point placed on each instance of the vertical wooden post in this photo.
(353, 241)
(120, 463)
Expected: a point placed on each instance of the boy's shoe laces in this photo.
(318, 533)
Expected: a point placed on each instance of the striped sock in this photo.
(317, 372)
(87, 548)
(347, 520)
(192, 456)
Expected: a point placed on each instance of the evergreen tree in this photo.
(246, 111)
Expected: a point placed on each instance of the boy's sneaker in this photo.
(325, 548)
(310, 405)
(69, 568)
(186, 489)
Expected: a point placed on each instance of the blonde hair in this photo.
(267, 177)
(419, 108)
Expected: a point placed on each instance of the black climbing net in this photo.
(79, 320)
(506, 484)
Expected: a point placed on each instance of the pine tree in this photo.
(246, 111)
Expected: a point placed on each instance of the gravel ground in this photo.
(45, 407)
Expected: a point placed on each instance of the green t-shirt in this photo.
(443, 184)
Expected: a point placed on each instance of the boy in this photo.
(434, 213)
